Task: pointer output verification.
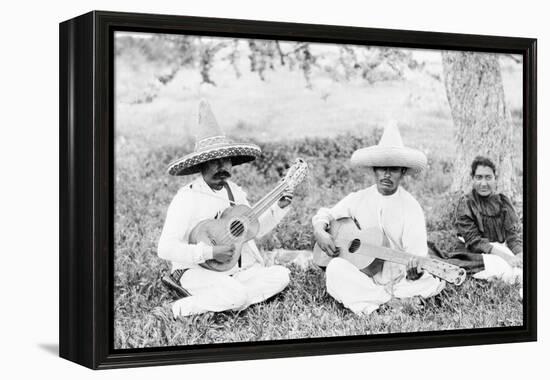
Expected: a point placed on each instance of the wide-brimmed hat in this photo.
(211, 144)
(390, 151)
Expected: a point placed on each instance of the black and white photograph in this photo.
(271, 190)
(275, 190)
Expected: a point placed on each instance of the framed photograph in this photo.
(235, 189)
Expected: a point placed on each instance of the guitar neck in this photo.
(387, 254)
(294, 175)
(441, 269)
(263, 204)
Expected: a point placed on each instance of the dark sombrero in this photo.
(212, 144)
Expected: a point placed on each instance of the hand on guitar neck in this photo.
(240, 223)
(286, 198)
(365, 249)
(326, 242)
(414, 269)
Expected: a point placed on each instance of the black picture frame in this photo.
(87, 176)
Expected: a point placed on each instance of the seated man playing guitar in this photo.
(390, 209)
(222, 272)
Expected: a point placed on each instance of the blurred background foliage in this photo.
(168, 54)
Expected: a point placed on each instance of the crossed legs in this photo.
(359, 293)
(216, 291)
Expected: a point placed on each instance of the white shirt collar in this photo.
(388, 198)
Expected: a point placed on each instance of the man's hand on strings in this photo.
(325, 241)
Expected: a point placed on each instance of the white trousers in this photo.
(496, 268)
(362, 295)
(216, 291)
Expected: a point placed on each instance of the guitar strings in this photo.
(262, 205)
(258, 209)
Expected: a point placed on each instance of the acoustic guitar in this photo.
(361, 247)
(239, 224)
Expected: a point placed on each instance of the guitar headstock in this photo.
(296, 174)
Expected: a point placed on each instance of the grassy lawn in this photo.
(305, 310)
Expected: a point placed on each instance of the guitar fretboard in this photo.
(263, 204)
(388, 254)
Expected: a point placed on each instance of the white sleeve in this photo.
(415, 239)
(173, 245)
(342, 209)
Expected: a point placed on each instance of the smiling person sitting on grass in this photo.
(491, 246)
(206, 197)
(392, 210)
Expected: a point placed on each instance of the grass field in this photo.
(324, 126)
(142, 306)
(305, 310)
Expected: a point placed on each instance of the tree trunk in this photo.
(483, 123)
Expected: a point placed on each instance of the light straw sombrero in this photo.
(212, 144)
(390, 151)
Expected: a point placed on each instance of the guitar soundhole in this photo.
(354, 246)
(237, 228)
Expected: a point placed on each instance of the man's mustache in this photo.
(222, 174)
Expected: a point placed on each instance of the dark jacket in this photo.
(481, 220)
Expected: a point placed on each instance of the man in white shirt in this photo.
(207, 197)
(390, 208)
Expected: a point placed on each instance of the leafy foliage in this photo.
(167, 54)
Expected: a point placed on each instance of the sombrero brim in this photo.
(191, 163)
(377, 155)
